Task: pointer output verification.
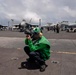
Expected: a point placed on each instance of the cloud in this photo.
(32, 15)
(71, 12)
(47, 10)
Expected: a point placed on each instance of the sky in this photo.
(49, 11)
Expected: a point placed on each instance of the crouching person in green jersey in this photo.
(38, 49)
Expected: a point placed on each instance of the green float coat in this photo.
(41, 44)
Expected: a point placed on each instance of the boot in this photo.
(43, 67)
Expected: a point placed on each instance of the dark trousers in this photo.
(35, 55)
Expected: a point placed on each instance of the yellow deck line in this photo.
(65, 52)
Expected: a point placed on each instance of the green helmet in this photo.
(37, 30)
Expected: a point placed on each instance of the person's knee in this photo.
(32, 54)
(26, 48)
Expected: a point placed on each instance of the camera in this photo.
(29, 32)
